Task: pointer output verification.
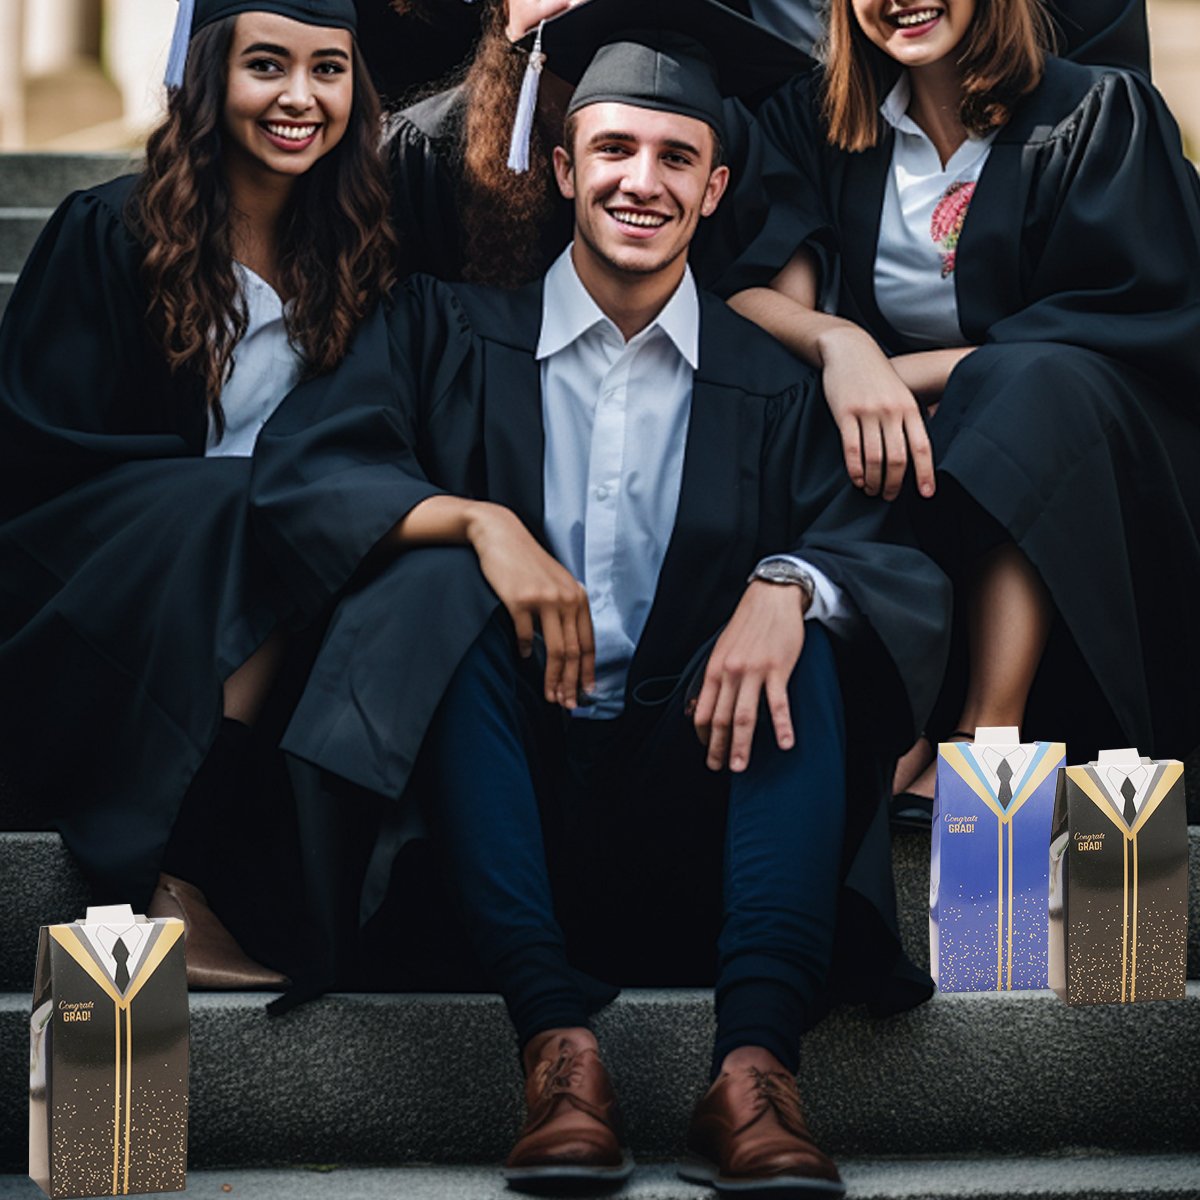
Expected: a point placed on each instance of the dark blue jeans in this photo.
(584, 849)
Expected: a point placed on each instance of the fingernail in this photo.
(737, 764)
(927, 489)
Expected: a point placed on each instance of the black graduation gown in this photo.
(405, 53)
(129, 586)
(1074, 426)
(464, 412)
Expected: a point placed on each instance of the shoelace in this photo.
(557, 1078)
(780, 1094)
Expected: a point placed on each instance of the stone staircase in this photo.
(362, 1097)
(31, 187)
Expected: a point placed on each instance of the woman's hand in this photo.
(538, 590)
(524, 16)
(878, 416)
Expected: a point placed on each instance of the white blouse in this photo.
(923, 212)
(265, 368)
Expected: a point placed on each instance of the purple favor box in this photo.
(989, 876)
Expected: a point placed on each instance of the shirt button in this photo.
(602, 493)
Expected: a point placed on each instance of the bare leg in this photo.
(1008, 621)
(912, 763)
(1009, 614)
(247, 688)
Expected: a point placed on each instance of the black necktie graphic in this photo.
(1004, 774)
(120, 953)
(1128, 791)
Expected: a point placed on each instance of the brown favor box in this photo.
(1118, 881)
(108, 1074)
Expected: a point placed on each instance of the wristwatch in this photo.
(783, 570)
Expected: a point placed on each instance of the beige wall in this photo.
(1175, 54)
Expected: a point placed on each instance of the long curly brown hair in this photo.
(337, 251)
(503, 213)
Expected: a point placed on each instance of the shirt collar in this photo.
(568, 312)
(894, 111)
(894, 108)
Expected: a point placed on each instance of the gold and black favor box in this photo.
(108, 1064)
(1118, 881)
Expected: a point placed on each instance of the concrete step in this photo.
(434, 1079)
(19, 228)
(40, 884)
(1088, 1176)
(45, 180)
(8, 280)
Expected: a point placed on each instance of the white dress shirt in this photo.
(615, 415)
(924, 207)
(266, 366)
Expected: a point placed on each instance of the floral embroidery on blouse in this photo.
(946, 224)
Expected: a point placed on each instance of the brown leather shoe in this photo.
(572, 1133)
(748, 1136)
(214, 960)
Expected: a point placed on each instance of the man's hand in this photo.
(537, 589)
(878, 416)
(758, 649)
(524, 16)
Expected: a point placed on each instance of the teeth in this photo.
(645, 219)
(905, 20)
(292, 133)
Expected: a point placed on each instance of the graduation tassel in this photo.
(518, 150)
(177, 58)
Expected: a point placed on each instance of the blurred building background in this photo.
(83, 75)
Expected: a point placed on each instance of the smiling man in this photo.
(637, 619)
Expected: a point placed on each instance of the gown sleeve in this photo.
(786, 148)
(424, 203)
(78, 372)
(340, 462)
(1115, 266)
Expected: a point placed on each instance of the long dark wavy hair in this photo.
(1001, 59)
(337, 251)
(503, 213)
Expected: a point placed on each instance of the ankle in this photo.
(579, 1036)
(989, 718)
(745, 1057)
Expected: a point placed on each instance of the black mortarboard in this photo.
(681, 56)
(194, 15)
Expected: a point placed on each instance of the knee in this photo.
(816, 667)
(814, 689)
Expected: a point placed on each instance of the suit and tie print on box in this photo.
(108, 1086)
(1118, 881)
(989, 877)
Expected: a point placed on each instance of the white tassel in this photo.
(177, 58)
(518, 150)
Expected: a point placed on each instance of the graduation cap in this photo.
(682, 56)
(194, 15)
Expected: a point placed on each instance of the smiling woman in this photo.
(1010, 246)
(159, 322)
